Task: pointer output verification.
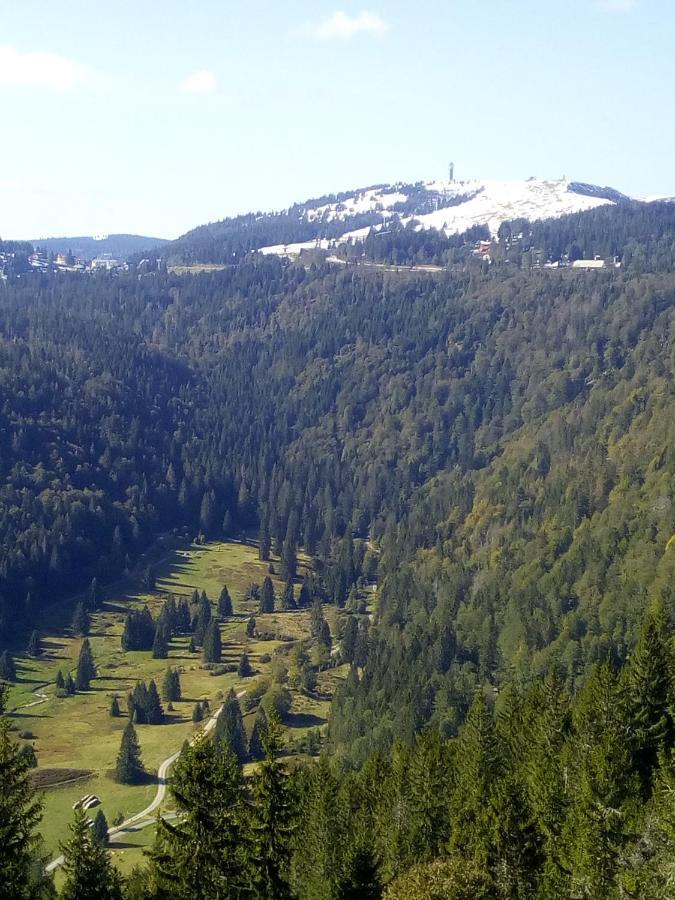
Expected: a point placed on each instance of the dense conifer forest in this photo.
(491, 445)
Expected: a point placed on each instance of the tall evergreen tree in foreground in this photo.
(203, 856)
(129, 769)
(272, 821)
(20, 813)
(86, 670)
(90, 875)
(651, 693)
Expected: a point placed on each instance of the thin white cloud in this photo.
(201, 82)
(39, 69)
(340, 26)
(619, 6)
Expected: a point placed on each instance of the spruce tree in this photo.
(212, 650)
(203, 619)
(115, 708)
(7, 666)
(256, 750)
(100, 828)
(171, 689)
(60, 682)
(34, 648)
(197, 712)
(267, 596)
(604, 787)
(229, 729)
(90, 875)
(81, 620)
(288, 597)
(70, 685)
(129, 769)
(272, 821)
(20, 813)
(244, 669)
(224, 604)
(651, 697)
(477, 765)
(250, 627)
(94, 595)
(205, 853)
(86, 669)
(153, 710)
(160, 646)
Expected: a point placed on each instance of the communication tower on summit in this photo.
(451, 172)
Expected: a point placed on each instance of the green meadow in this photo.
(77, 740)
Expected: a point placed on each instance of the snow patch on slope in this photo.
(454, 207)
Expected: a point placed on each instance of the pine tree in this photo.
(203, 619)
(20, 814)
(160, 646)
(93, 596)
(264, 542)
(229, 729)
(34, 648)
(256, 750)
(90, 875)
(348, 642)
(171, 689)
(100, 828)
(7, 667)
(205, 852)
(115, 708)
(604, 787)
(81, 620)
(224, 604)
(267, 596)
(289, 560)
(154, 713)
(244, 669)
(470, 807)
(651, 697)
(129, 768)
(213, 649)
(86, 670)
(183, 616)
(272, 821)
(288, 597)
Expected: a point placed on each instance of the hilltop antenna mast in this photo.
(451, 172)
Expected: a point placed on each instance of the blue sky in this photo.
(154, 117)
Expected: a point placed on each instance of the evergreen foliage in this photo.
(213, 649)
(129, 768)
(86, 670)
(229, 730)
(90, 875)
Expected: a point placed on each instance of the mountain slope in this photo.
(118, 245)
(451, 207)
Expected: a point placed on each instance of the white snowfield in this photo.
(473, 203)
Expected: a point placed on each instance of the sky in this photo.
(153, 117)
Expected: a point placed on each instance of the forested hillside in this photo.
(492, 445)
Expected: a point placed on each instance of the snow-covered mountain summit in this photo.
(451, 206)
